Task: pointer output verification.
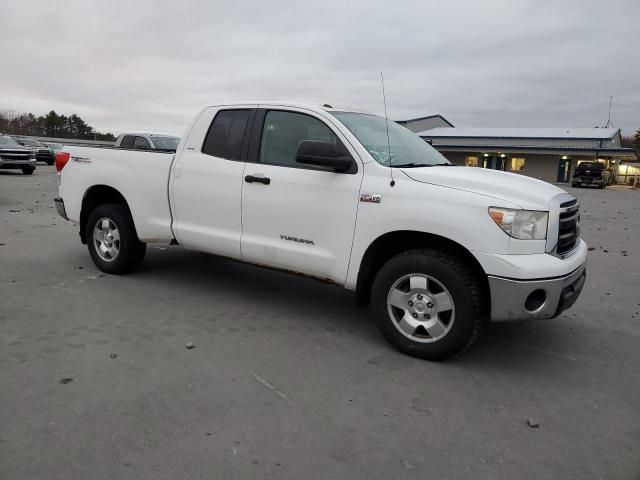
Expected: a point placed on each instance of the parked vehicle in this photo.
(56, 147)
(147, 141)
(590, 174)
(43, 153)
(438, 250)
(15, 156)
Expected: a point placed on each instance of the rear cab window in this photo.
(226, 135)
(141, 143)
(127, 141)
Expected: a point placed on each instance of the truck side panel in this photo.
(141, 177)
(441, 211)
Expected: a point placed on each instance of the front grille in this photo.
(15, 155)
(568, 228)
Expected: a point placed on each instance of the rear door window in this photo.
(226, 134)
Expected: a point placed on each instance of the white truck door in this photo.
(206, 181)
(297, 217)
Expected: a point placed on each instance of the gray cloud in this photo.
(150, 65)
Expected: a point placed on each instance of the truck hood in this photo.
(528, 193)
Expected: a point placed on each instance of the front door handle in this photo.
(253, 178)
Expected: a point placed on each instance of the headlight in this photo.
(521, 224)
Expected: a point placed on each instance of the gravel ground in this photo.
(287, 378)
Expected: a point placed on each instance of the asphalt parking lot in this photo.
(287, 378)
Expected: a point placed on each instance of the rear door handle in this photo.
(253, 178)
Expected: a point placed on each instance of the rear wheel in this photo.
(428, 304)
(112, 239)
(28, 170)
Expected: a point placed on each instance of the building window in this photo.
(471, 161)
(517, 164)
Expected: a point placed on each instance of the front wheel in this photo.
(428, 304)
(112, 239)
(28, 170)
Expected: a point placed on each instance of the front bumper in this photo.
(59, 203)
(588, 181)
(535, 299)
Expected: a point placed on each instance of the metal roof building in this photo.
(549, 154)
(425, 123)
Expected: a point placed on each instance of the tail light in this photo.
(61, 160)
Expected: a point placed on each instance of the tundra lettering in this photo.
(296, 239)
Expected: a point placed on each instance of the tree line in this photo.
(49, 125)
(632, 142)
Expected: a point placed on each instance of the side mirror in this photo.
(323, 154)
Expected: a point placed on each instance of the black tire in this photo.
(130, 249)
(28, 170)
(466, 321)
(50, 162)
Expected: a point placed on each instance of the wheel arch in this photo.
(95, 196)
(394, 243)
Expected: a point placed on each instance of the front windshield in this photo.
(165, 143)
(8, 141)
(406, 148)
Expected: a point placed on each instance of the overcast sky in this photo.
(150, 65)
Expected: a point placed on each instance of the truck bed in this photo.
(141, 177)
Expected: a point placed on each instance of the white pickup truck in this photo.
(345, 197)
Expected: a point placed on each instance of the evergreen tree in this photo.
(49, 125)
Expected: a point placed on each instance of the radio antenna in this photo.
(609, 122)
(386, 119)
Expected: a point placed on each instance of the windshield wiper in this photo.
(420, 165)
(410, 165)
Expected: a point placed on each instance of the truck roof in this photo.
(150, 134)
(284, 103)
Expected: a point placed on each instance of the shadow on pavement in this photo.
(505, 346)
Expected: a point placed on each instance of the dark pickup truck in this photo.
(43, 153)
(590, 174)
(14, 155)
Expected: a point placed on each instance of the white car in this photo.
(438, 250)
